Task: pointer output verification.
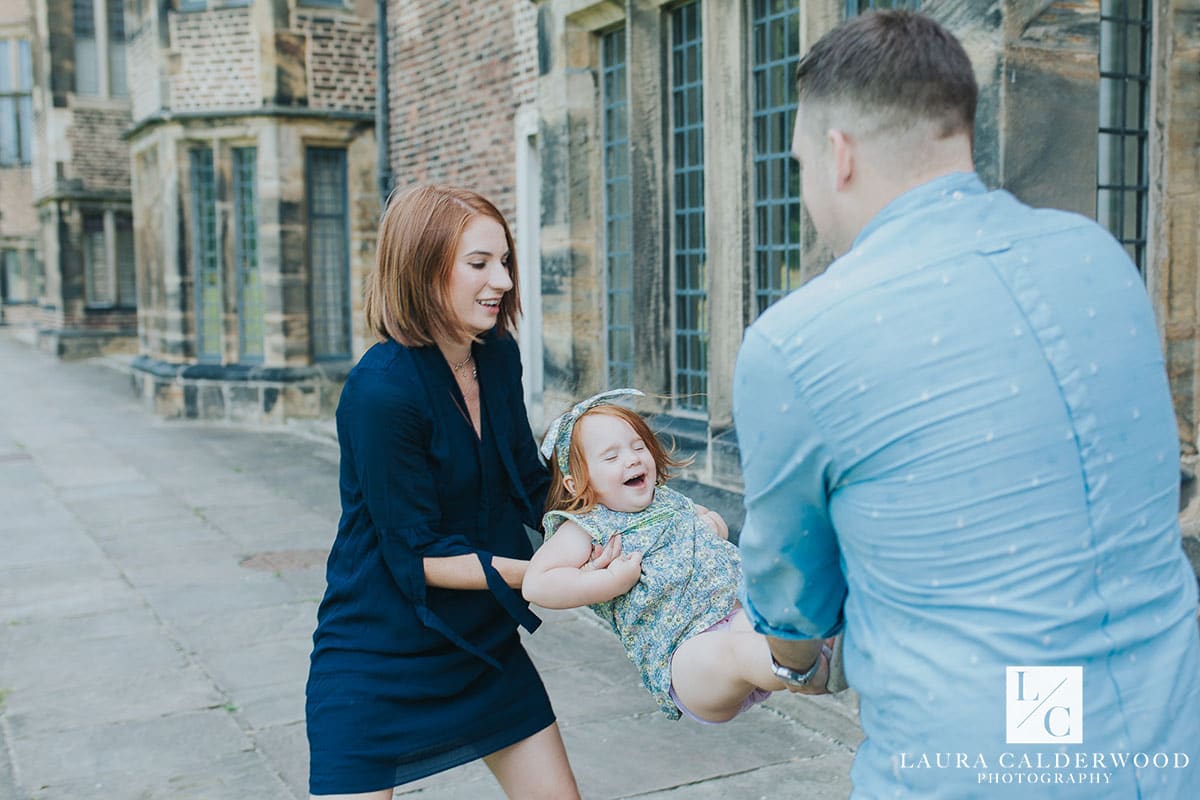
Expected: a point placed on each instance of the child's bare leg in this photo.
(712, 673)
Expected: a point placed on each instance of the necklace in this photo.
(463, 363)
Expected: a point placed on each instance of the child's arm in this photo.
(558, 575)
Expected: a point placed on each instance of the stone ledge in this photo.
(238, 392)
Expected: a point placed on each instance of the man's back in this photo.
(986, 398)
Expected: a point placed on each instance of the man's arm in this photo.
(792, 584)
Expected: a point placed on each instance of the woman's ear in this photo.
(569, 484)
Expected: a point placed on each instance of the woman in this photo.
(417, 665)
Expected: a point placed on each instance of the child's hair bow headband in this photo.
(558, 435)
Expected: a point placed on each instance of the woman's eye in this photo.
(478, 264)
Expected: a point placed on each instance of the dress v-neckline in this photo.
(460, 402)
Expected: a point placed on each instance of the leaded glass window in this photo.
(87, 67)
(329, 253)
(617, 220)
(126, 262)
(97, 275)
(16, 103)
(775, 52)
(1122, 184)
(856, 7)
(250, 292)
(206, 256)
(118, 84)
(690, 279)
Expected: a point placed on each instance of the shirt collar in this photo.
(954, 185)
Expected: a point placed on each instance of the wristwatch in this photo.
(794, 678)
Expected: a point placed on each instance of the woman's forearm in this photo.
(465, 571)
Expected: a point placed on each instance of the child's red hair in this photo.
(584, 500)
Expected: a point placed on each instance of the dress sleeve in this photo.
(389, 432)
(533, 473)
(792, 581)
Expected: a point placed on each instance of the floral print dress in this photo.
(689, 581)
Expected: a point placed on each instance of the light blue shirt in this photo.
(962, 435)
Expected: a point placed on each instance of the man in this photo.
(959, 443)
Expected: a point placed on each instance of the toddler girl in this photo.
(671, 595)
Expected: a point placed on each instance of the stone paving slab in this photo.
(124, 698)
(240, 776)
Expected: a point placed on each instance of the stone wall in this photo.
(1174, 232)
(214, 60)
(99, 160)
(341, 61)
(17, 217)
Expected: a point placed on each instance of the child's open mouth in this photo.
(637, 481)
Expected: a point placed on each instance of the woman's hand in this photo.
(603, 556)
(626, 570)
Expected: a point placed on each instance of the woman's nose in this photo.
(500, 278)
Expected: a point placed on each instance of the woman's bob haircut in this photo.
(418, 240)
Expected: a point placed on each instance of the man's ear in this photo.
(569, 484)
(842, 150)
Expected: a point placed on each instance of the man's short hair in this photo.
(897, 65)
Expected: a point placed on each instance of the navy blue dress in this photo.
(406, 679)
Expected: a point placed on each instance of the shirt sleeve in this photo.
(389, 433)
(792, 582)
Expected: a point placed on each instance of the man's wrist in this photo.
(797, 679)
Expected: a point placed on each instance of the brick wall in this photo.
(525, 52)
(217, 60)
(99, 156)
(341, 61)
(452, 95)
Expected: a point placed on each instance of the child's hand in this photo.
(626, 570)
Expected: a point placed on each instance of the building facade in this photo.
(252, 147)
(85, 298)
(20, 271)
(671, 211)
